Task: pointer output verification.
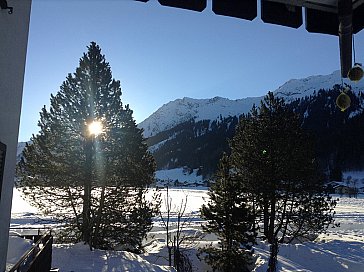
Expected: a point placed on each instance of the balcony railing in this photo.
(38, 258)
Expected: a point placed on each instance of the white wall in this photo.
(13, 45)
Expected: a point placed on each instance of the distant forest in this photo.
(339, 136)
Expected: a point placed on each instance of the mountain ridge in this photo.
(184, 109)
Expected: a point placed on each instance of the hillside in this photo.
(196, 132)
(185, 109)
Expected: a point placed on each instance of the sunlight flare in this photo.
(95, 128)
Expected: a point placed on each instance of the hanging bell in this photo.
(343, 101)
(356, 72)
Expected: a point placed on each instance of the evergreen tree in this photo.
(230, 217)
(274, 160)
(94, 184)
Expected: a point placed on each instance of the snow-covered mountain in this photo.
(181, 110)
(297, 88)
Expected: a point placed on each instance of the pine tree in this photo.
(230, 217)
(94, 184)
(274, 160)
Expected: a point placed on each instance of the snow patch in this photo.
(16, 248)
(100, 260)
(179, 174)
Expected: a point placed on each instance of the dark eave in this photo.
(341, 18)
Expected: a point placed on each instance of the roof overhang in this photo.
(341, 18)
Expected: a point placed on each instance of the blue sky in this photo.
(160, 53)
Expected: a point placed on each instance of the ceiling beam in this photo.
(345, 12)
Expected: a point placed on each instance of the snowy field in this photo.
(341, 249)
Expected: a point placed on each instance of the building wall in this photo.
(14, 30)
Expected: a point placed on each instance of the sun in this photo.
(95, 128)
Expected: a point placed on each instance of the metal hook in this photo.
(4, 5)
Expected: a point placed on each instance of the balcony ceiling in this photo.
(341, 18)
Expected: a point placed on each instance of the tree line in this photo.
(338, 136)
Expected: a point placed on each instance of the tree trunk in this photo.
(273, 258)
(272, 264)
(272, 216)
(86, 214)
(86, 209)
(266, 218)
(285, 227)
(99, 215)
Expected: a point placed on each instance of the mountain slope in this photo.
(182, 110)
(339, 135)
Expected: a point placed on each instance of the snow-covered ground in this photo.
(179, 174)
(339, 250)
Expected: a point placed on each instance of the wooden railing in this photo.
(38, 258)
(30, 233)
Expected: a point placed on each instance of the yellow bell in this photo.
(343, 101)
(356, 72)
